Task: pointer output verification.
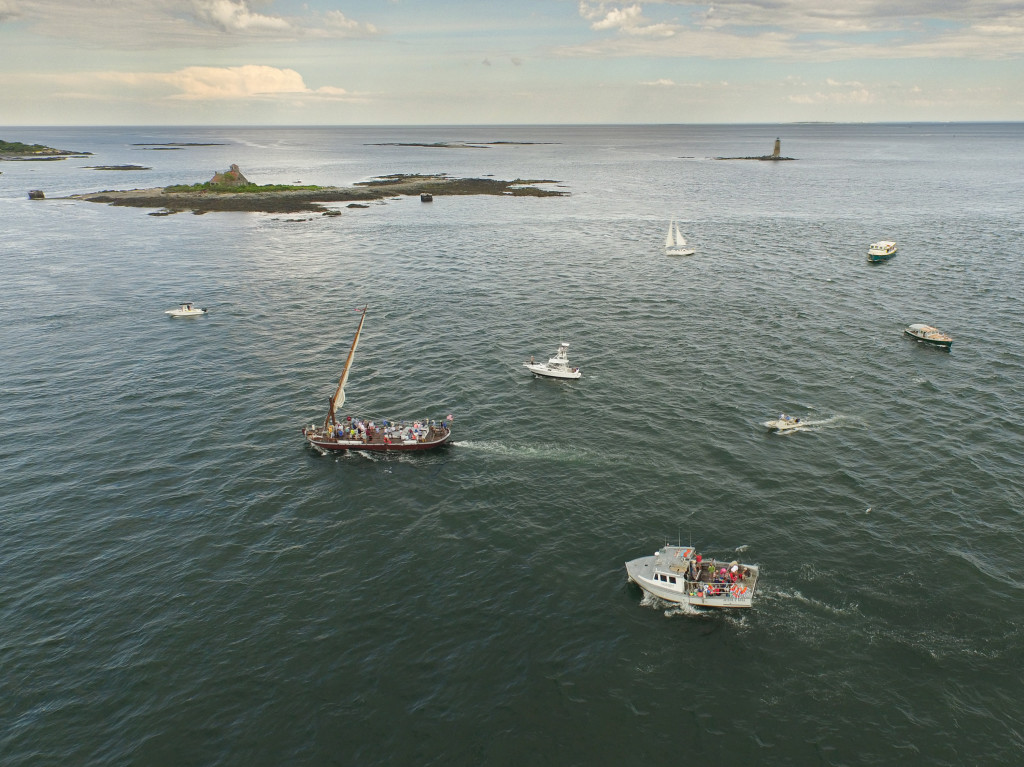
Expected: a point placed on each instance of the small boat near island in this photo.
(675, 243)
(556, 367)
(187, 309)
(784, 423)
(680, 575)
(882, 250)
(928, 335)
(353, 433)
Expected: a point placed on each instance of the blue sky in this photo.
(138, 62)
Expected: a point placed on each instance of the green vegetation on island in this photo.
(209, 186)
(16, 150)
(230, 190)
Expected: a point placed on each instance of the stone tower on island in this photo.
(778, 148)
(232, 177)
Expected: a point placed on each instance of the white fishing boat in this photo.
(784, 423)
(675, 243)
(556, 367)
(679, 574)
(360, 433)
(186, 310)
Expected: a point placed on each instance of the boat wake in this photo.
(669, 608)
(539, 452)
(833, 422)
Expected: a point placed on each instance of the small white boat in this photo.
(556, 367)
(929, 335)
(675, 243)
(784, 423)
(679, 574)
(186, 310)
(881, 250)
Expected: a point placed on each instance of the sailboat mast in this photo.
(339, 395)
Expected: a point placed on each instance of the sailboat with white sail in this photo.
(352, 433)
(675, 243)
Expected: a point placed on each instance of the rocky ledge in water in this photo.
(224, 192)
(775, 156)
(116, 167)
(15, 150)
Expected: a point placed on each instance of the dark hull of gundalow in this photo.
(337, 445)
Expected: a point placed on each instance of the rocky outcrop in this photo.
(775, 156)
(297, 199)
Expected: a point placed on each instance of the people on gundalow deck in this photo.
(386, 432)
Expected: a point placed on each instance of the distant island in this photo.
(775, 156)
(15, 150)
(179, 144)
(231, 190)
(117, 167)
(460, 144)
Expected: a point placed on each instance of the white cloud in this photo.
(629, 20)
(235, 16)
(9, 10)
(235, 82)
(859, 96)
(336, 20)
(249, 81)
(819, 30)
(156, 24)
(662, 82)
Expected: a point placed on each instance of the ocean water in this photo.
(183, 582)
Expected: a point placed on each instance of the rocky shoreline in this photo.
(311, 199)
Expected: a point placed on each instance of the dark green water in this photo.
(183, 582)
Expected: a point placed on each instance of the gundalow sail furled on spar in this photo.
(361, 433)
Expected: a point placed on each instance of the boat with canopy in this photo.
(882, 250)
(356, 433)
(929, 335)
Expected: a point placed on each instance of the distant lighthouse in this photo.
(778, 148)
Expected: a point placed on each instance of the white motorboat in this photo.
(186, 310)
(675, 243)
(679, 574)
(929, 335)
(556, 367)
(881, 250)
(784, 423)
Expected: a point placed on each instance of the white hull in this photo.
(883, 248)
(784, 425)
(541, 369)
(185, 312)
(663, 575)
(679, 251)
(556, 367)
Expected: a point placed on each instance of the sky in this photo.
(451, 62)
